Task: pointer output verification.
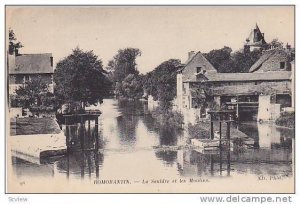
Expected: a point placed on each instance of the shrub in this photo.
(286, 119)
(201, 130)
(167, 117)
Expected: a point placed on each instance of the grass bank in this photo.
(33, 126)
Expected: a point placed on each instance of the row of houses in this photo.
(261, 94)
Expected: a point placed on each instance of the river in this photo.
(133, 148)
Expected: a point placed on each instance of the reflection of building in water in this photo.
(81, 163)
(193, 163)
(168, 156)
(82, 136)
(273, 155)
(255, 161)
(268, 135)
(26, 168)
(184, 163)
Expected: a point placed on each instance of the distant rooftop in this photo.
(275, 53)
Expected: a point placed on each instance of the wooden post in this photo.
(228, 134)
(96, 133)
(82, 165)
(97, 163)
(68, 165)
(237, 107)
(220, 162)
(228, 162)
(89, 161)
(211, 165)
(211, 130)
(68, 138)
(89, 132)
(82, 132)
(220, 132)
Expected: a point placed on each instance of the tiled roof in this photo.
(265, 76)
(32, 64)
(251, 89)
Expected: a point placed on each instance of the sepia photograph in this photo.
(150, 99)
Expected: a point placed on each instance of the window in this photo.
(51, 61)
(204, 71)
(19, 79)
(198, 69)
(282, 65)
(27, 78)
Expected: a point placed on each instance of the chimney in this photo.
(288, 47)
(11, 61)
(191, 54)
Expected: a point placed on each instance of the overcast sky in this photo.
(160, 33)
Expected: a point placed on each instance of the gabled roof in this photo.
(197, 60)
(32, 64)
(276, 53)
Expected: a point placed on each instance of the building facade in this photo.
(260, 94)
(25, 67)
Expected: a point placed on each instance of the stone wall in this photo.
(273, 63)
(266, 110)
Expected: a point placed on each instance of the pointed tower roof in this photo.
(256, 38)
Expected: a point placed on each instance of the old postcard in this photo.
(150, 99)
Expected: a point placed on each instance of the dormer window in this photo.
(282, 65)
(198, 69)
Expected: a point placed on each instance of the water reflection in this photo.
(81, 163)
(193, 163)
(131, 143)
(268, 136)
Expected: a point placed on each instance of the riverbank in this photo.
(31, 126)
(201, 130)
(168, 117)
(36, 137)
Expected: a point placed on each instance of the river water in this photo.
(134, 148)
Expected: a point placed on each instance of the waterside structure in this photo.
(261, 94)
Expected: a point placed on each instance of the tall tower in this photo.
(256, 40)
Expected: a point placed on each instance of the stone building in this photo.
(25, 67)
(258, 95)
